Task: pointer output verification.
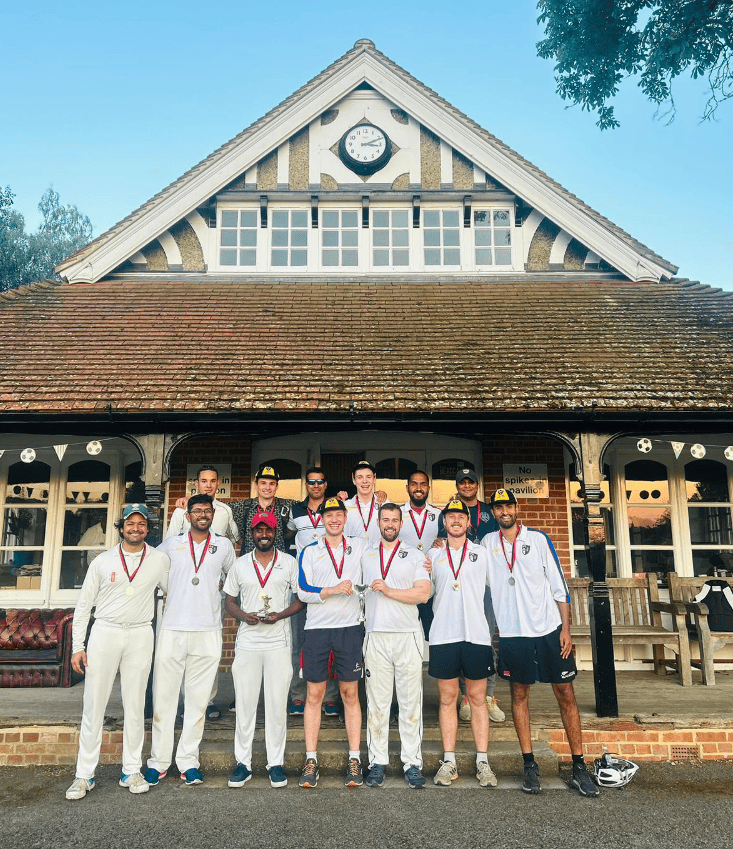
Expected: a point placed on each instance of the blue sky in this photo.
(110, 104)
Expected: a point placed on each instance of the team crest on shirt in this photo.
(473, 557)
(212, 549)
(367, 673)
(431, 516)
(348, 549)
(525, 549)
(402, 554)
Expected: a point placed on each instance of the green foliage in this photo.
(26, 257)
(598, 43)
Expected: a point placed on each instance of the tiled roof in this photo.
(308, 346)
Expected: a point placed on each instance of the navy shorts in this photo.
(345, 643)
(527, 660)
(451, 660)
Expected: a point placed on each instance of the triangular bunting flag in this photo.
(2, 452)
(60, 450)
(677, 448)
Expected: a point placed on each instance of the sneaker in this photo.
(485, 774)
(213, 712)
(309, 775)
(135, 783)
(79, 788)
(531, 782)
(297, 707)
(277, 776)
(192, 776)
(330, 709)
(464, 710)
(582, 781)
(152, 776)
(232, 707)
(414, 778)
(354, 777)
(446, 775)
(240, 775)
(496, 714)
(376, 776)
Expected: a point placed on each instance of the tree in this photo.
(598, 43)
(25, 257)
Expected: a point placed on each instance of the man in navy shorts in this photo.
(532, 607)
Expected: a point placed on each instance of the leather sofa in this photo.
(35, 648)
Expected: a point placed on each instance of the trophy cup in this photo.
(361, 591)
(265, 612)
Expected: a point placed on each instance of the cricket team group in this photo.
(371, 583)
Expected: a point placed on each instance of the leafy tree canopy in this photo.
(26, 257)
(597, 43)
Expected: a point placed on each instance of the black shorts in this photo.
(345, 643)
(527, 660)
(451, 660)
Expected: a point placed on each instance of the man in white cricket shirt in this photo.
(328, 570)
(460, 640)
(363, 509)
(393, 648)
(532, 606)
(189, 644)
(120, 584)
(265, 580)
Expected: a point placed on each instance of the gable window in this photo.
(238, 237)
(390, 238)
(492, 237)
(340, 237)
(289, 237)
(441, 237)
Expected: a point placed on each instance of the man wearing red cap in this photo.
(264, 579)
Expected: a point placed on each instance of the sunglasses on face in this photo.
(315, 481)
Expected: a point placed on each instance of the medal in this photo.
(264, 580)
(419, 531)
(511, 582)
(420, 547)
(514, 555)
(314, 536)
(369, 520)
(130, 578)
(456, 586)
(197, 566)
(456, 572)
(195, 581)
(129, 591)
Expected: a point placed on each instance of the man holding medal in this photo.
(189, 644)
(328, 570)
(120, 584)
(460, 640)
(265, 580)
(533, 614)
(393, 648)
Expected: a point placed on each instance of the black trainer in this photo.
(582, 781)
(354, 777)
(532, 778)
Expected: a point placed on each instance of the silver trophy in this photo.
(265, 612)
(361, 592)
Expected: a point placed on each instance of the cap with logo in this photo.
(502, 496)
(456, 506)
(267, 472)
(363, 464)
(332, 504)
(262, 517)
(134, 508)
(462, 474)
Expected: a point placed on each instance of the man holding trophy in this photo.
(265, 580)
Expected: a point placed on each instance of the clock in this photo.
(365, 149)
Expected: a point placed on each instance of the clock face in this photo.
(365, 148)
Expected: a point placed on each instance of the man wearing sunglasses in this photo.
(305, 523)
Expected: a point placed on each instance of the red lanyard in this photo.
(317, 515)
(424, 519)
(450, 559)
(478, 517)
(337, 569)
(197, 566)
(385, 572)
(124, 563)
(514, 549)
(257, 569)
(371, 513)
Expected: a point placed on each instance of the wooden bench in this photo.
(636, 617)
(683, 591)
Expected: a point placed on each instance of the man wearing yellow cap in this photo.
(266, 501)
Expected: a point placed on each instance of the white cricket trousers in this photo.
(191, 656)
(250, 669)
(113, 647)
(394, 660)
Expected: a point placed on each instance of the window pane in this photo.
(399, 218)
(349, 218)
(20, 570)
(279, 218)
(299, 238)
(432, 256)
(330, 238)
(28, 483)
(381, 238)
(85, 528)
(503, 256)
(501, 218)
(452, 257)
(660, 562)
(381, 218)
(450, 237)
(579, 529)
(400, 257)
(228, 237)
(280, 238)
(87, 482)
(650, 526)
(399, 238)
(350, 238)
(229, 218)
(392, 474)
(279, 258)
(431, 218)
(330, 218)
(431, 238)
(646, 482)
(350, 258)
(299, 258)
(705, 561)
(24, 526)
(710, 526)
(299, 218)
(330, 257)
(248, 238)
(381, 257)
(483, 256)
(248, 218)
(582, 567)
(706, 480)
(450, 218)
(483, 237)
(247, 257)
(501, 237)
(228, 258)
(481, 218)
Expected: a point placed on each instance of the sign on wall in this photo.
(225, 479)
(527, 480)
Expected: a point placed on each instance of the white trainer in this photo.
(446, 775)
(485, 775)
(79, 788)
(135, 783)
(464, 710)
(496, 714)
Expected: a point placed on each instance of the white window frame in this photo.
(491, 209)
(360, 239)
(311, 245)
(462, 234)
(411, 239)
(220, 229)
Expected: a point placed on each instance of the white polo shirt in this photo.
(528, 607)
(194, 601)
(222, 524)
(458, 604)
(362, 520)
(405, 567)
(278, 581)
(308, 526)
(318, 569)
(419, 529)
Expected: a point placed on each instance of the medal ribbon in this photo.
(257, 569)
(124, 563)
(514, 550)
(317, 517)
(419, 531)
(385, 572)
(197, 566)
(338, 569)
(450, 559)
(361, 516)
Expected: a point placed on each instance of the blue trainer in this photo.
(192, 776)
(277, 776)
(240, 775)
(152, 776)
(414, 778)
(376, 776)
